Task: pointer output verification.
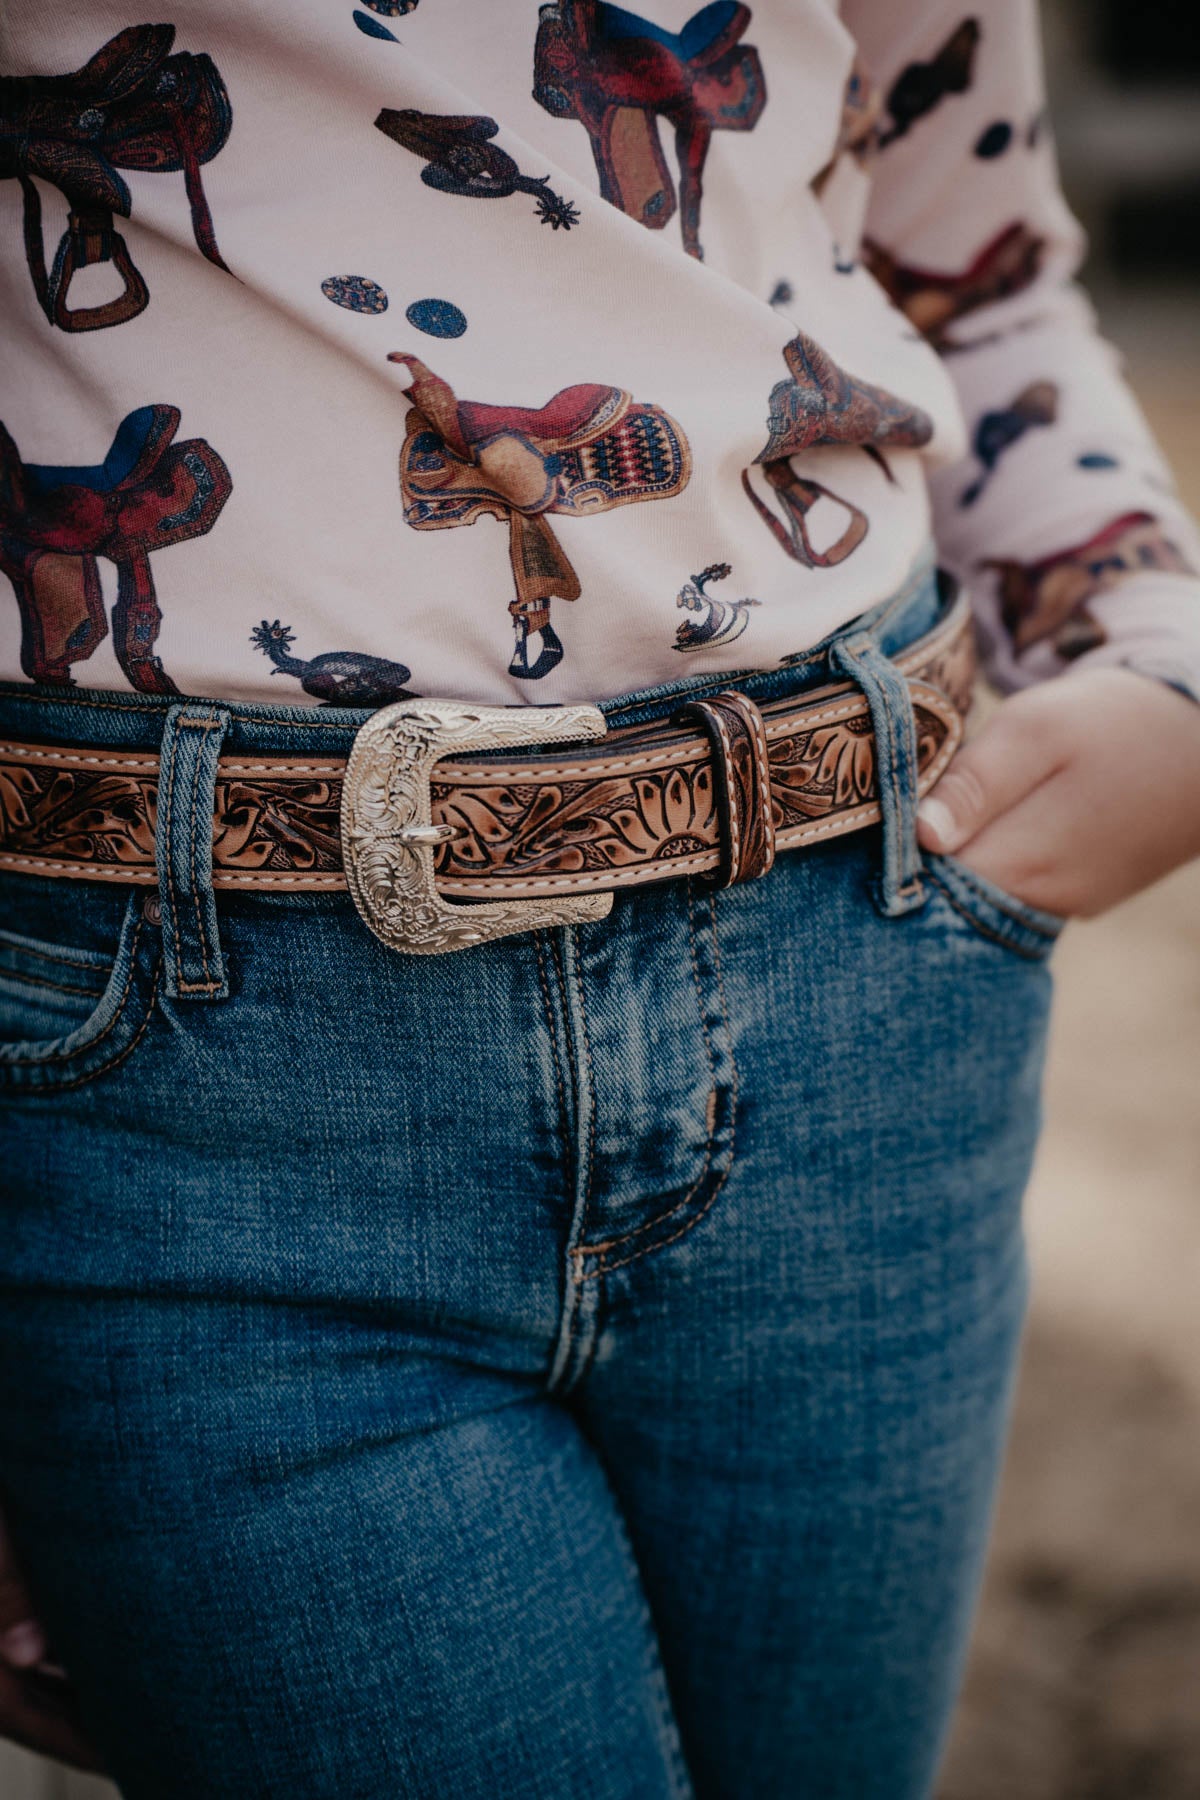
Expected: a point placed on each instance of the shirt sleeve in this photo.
(1063, 520)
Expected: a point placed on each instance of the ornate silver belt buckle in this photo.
(388, 833)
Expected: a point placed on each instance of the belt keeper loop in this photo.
(742, 783)
(193, 965)
(897, 767)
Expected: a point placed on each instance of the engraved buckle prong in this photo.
(388, 833)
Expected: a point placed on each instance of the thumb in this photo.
(1012, 754)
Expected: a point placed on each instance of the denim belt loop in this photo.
(193, 967)
(889, 701)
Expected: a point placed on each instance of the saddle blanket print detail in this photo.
(819, 403)
(590, 448)
(337, 677)
(149, 493)
(460, 158)
(617, 74)
(718, 621)
(1049, 599)
(134, 106)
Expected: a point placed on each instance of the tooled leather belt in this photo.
(426, 810)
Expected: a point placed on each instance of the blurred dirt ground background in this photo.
(1084, 1683)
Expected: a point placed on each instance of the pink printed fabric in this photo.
(543, 353)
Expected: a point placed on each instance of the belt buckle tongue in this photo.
(388, 833)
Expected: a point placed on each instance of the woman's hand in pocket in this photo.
(1076, 793)
(37, 1706)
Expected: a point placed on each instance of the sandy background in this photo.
(1085, 1679)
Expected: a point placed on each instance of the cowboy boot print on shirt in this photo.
(1049, 599)
(617, 73)
(461, 159)
(148, 493)
(590, 448)
(133, 106)
(819, 403)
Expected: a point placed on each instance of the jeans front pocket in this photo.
(993, 913)
(67, 1015)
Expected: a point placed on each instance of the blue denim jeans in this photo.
(570, 1369)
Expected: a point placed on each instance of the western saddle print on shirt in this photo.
(1049, 599)
(616, 72)
(934, 300)
(133, 106)
(148, 493)
(588, 449)
(820, 403)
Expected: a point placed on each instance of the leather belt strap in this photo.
(645, 803)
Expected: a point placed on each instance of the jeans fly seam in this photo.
(718, 1185)
(591, 1126)
(600, 1250)
(552, 1028)
(567, 1367)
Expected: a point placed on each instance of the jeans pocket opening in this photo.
(995, 914)
(123, 995)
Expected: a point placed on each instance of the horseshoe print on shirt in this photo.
(133, 106)
(616, 73)
(588, 449)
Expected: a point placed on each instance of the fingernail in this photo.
(24, 1644)
(937, 816)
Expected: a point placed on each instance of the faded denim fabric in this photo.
(571, 1369)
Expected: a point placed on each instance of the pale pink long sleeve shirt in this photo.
(476, 348)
